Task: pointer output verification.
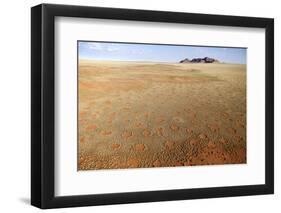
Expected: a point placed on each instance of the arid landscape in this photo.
(140, 114)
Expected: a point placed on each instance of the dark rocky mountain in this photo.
(186, 60)
(200, 60)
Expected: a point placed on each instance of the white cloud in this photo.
(102, 47)
(94, 46)
(112, 48)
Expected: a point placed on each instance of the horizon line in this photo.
(164, 62)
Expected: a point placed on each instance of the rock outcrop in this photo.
(200, 60)
(186, 60)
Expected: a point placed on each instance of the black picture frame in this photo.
(43, 102)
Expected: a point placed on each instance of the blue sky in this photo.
(157, 53)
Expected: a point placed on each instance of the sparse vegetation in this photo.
(135, 115)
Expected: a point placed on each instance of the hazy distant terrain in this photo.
(160, 115)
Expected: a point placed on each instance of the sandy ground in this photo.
(135, 115)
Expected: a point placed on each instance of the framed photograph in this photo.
(139, 106)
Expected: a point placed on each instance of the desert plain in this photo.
(142, 114)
